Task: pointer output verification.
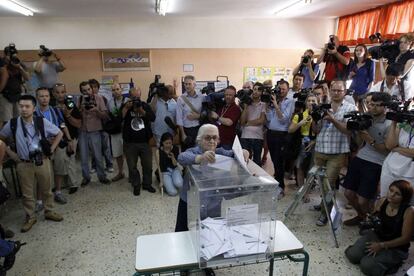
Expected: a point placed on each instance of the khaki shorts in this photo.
(8, 110)
(333, 164)
(117, 145)
(60, 162)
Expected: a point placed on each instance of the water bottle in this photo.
(131, 84)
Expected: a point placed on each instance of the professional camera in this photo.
(372, 222)
(155, 88)
(69, 102)
(358, 121)
(136, 103)
(45, 52)
(306, 59)
(331, 43)
(11, 52)
(319, 111)
(36, 156)
(388, 49)
(400, 112)
(301, 97)
(244, 96)
(213, 102)
(88, 102)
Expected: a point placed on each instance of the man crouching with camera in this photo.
(364, 171)
(136, 133)
(30, 134)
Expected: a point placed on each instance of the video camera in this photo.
(155, 88)
(36, 156)
(244, 96)
(319, 111)
(44, 52)
(88, 102)
(372, 222)
(213, 102)
(11, 52)
(388, 49)
(301, 97)
(136, 103)
(358, 121)
(69, 102)
(400, 112)
(331, 43)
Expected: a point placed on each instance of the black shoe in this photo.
(8, 234)
(149, 189)
(73, 190)
(85, 182)
(209, 272)
(53, 190)
(137, 190)
(105, 181)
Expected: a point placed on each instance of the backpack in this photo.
(39, 125)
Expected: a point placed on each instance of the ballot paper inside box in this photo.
(231, 215)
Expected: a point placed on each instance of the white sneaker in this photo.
(93, 171)
(39, 207)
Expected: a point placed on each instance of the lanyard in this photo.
(223, 111)
(26, 133)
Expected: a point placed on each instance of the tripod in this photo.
(317, 176)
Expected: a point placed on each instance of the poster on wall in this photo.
(134, 60)
(262, 73)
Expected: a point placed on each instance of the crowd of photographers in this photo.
(363, 127)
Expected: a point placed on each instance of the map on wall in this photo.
(263, 73)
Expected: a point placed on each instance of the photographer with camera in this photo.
(115, 104)
(73, 121)
(278, 115)
(47, 69)
(399, 163)
(189, 107)
(136, 133)
(405, 58)
(164, 106)
(227, 117)
(364, 171)
(55, 116)
(336, 58)
(13, 75)
(30, 134)
(333, 138)
(307, 68)
(383, 248)
(390, 84)
(93, 111)
(252, 121)
(298, 79)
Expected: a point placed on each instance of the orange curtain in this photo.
(390, 20)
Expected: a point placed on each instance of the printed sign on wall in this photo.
(132, 60)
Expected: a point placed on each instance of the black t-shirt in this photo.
(73, 131)
(165, 161)
(137, 129)
(2, 63)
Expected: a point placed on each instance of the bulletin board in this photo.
(262, 73)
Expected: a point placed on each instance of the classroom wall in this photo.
(208, 63)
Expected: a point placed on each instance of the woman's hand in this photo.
(373, 248)
(209, 156)
(246, 155)
(310, 146)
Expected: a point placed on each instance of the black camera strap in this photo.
(27, 134)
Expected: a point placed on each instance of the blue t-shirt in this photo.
(363, 77)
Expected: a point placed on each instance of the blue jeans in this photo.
(173, 181)
(255, 147)
(91, 141)
(106, 151)
(6, 247)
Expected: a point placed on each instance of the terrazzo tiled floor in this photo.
(101, 223)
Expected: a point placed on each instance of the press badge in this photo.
(137, 124)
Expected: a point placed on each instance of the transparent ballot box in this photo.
(231, 214)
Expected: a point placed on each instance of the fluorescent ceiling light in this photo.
(292, 5)
(16, 7)
(161, 7)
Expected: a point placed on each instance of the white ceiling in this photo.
(195, 8)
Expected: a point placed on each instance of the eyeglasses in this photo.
(208, 138)
(337, 90)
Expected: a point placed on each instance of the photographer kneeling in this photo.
(384, 247)
(364, 172)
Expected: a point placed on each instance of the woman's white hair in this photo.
(203, 129)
